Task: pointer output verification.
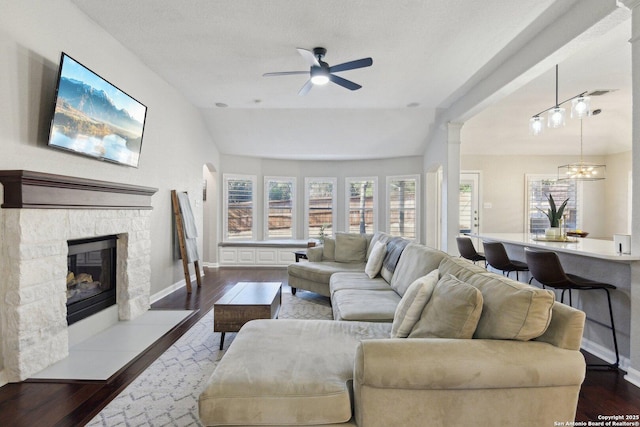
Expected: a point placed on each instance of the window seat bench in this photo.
(259, 253)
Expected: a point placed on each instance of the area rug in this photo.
(166, 393)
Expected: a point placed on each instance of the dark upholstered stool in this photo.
(468, 251)
(545, 267)
(497, 258)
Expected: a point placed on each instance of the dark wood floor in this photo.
(74, 404)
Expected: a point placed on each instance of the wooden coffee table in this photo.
(244, 302)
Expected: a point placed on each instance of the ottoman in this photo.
(287, 372)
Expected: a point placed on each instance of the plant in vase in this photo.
(322, 234)
(555, 215)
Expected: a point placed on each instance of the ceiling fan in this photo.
(321, 73)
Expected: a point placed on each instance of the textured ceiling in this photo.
(215, 52)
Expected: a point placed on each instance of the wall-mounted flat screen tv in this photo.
(94, 118)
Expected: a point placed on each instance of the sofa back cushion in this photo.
(379, 236)
(416, 261)
(512, 310)
(453, 311)
(351, 247)
(329, 249)
(460, 268)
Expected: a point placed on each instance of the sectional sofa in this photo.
(429, 339)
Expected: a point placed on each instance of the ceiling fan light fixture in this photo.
(319, 80)
(319, 76)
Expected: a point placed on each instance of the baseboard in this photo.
(633, 376)
(211, 264)
(605, 353)
(3, 378)
(172, 288)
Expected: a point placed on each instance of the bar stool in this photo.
(497, 258)
(545, 267)
(468, 251)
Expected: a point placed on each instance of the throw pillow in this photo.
(374, 263)
(412, 303)
(452, 312)
(350, 247)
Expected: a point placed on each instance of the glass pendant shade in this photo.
(580, 107)
(556, 117)
(535, 125)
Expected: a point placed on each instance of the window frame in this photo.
(347, 201)
(294, 201)
(334, 201)
(418, 199)
(527, 205)
(226, 178)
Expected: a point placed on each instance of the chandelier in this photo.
(580, 108)
(581, 170)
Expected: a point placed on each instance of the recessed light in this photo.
(221, 105)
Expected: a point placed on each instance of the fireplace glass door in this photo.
(91, 276)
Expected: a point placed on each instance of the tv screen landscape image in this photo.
(94, 118)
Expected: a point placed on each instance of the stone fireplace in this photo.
(41, 213)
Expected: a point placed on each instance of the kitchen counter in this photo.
(594, 248)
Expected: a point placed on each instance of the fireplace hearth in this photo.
(91, 276)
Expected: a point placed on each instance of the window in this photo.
(361, 203)
(279, 196)
(538, 187)
(402, 206)
(319, 205)
(239, 221)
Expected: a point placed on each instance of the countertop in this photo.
(596, 248)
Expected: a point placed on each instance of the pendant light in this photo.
(581, 170)
(556, 114)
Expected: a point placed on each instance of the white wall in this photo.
(176, 142)
(503, 185)
(306, 168)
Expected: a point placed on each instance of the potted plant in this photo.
(555, 215)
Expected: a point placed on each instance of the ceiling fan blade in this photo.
(284, 73)
(344, 82)
(351, 65)
(306, 88)
(309, 57)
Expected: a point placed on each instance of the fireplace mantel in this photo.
(38, 190)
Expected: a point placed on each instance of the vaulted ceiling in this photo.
(215, 53)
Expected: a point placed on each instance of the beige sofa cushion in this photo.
(329, 249)
(356, 280)
(512, 310)
(416, 261)
(365, 305)
(412, 303)
(321, 272)
(460, 268)
(374, 263)
(252, 384)
(452, 312)
(351, 247)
